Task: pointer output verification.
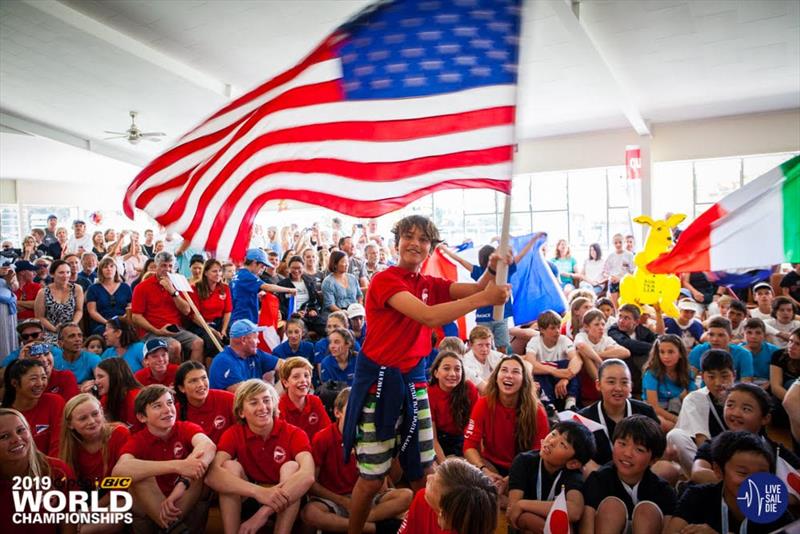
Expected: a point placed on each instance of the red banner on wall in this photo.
(633, 162)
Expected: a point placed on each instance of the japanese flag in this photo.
(788, 474)
(557, 521)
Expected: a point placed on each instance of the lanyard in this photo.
(551, 496)
(724, 523)
(628, 412)
(632, 491)
(715, 414)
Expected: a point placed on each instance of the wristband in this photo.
(175, 293)
(491, 271)
(183, 480)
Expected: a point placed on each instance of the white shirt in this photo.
(475, 371)
(600, 346)
(619, 264)
(74, 243)
(755, 313)
(693, 418)
(302, 294)
(593, 270)
(557, 352)
(787, 328)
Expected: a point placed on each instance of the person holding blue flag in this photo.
(484, 316)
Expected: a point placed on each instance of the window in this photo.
(9, 224)
(716, 178)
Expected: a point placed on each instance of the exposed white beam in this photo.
(22, 124)
(132, 46)
(624, 96)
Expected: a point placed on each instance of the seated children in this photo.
(297, 405)
(555, 363)
(625, 491)
(481, 359)
(90, 445)
(667, 379)
(762, 295)
(686, 326)
(709, 508)
(638, 339)
(784, 368)
(167, 461)
(157, 369)
(329, 505)
(755, 332)
(577, 309)
(456, 498)
(747, 408)
(294, 344)
(594, 346)
(737, 315)
(118, 390)
(451, 400)
(719, 337)
(337, 319)
(212, 409)
(782, 320)
(609, 311)
(357, 315)
(262, 463)
(701, 416)
(340, 363)
(505, 422)
(536, 478)
(25, 382)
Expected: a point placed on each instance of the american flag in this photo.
(407, 98)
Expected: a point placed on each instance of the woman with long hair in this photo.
(123, 342)
(212, 409)
(108, 297)
(25, 383)
(451, 399)
(60, 302)
(117, 389)
(506, 421)
(19, 457)
(30, 252)
(566, 264)
(134, 259)
(577, 308)
(340, 288)
(592, 272)
(148, 269)
(213, 300)
(283, 266)
(99, 245)
(311, 267)
(667, 379)
(90, 445)
(307, 302)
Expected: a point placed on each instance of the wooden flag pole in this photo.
(203, 322)
(502, 267)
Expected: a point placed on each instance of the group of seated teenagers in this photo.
(679, 410)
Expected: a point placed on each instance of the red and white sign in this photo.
(633, 162)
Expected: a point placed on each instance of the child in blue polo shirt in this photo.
(294, 344)
(340, 364)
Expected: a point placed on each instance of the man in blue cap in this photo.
(242, 360)
(246, 286)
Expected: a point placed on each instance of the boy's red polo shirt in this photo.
(311, 419)
(177, 446)
(215, 415)
(262, 458)
(394, 339)
(334, 474)
(146, 378)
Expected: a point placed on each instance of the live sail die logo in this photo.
(763, 498)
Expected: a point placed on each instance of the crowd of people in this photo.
(368, 413)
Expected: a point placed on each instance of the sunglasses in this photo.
(116, 322)
(30, 335)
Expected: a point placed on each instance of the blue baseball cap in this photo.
(39, 348)
(155, 344)
(244, 327)
(257, 255)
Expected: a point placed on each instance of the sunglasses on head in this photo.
(115, 322)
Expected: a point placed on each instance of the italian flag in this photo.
(756, 225)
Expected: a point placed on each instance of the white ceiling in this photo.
(79, 66)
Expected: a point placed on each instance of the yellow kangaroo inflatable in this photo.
(644, 287)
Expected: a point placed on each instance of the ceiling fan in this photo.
(134, 134)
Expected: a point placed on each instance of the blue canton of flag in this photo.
(409, 48)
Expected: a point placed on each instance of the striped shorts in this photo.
(374, 458)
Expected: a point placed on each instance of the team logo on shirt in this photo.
(470, 428)
(763, 498)
(313, 419)
(279, 455)
(219, 421)
(41, 428)
(424, 296)
(177, 450)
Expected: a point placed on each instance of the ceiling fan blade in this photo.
(115, 133)
(153, 134)
(116, 137)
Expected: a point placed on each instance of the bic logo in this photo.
(118, 483)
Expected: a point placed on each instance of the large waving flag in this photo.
(788, 474)
(407, 98)
(557, 521)
(534, 287)
(756, 225)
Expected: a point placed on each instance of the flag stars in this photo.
(481, 43)
(378, 55)
(364, 70)
(446, 18)
(430, 35)
(394, 38)
(450, 77)
(509, 67)
(349, 57)
(482, 14)
(431, 64)
(431, 5)
(394, 68)
(480, 71)
(497, 54)
(465, 31)
(380, 83)
(449, 48)
(503, 27)
(412, 22)
(412, 52)
(362, 42)
(466, 60)
(414, 81)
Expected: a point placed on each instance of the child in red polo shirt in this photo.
(297, 406)
(212, 409)
(167, 460)
(157, 369)
(329, 507)
(403, 307)
(263, 459)
(61, 383)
